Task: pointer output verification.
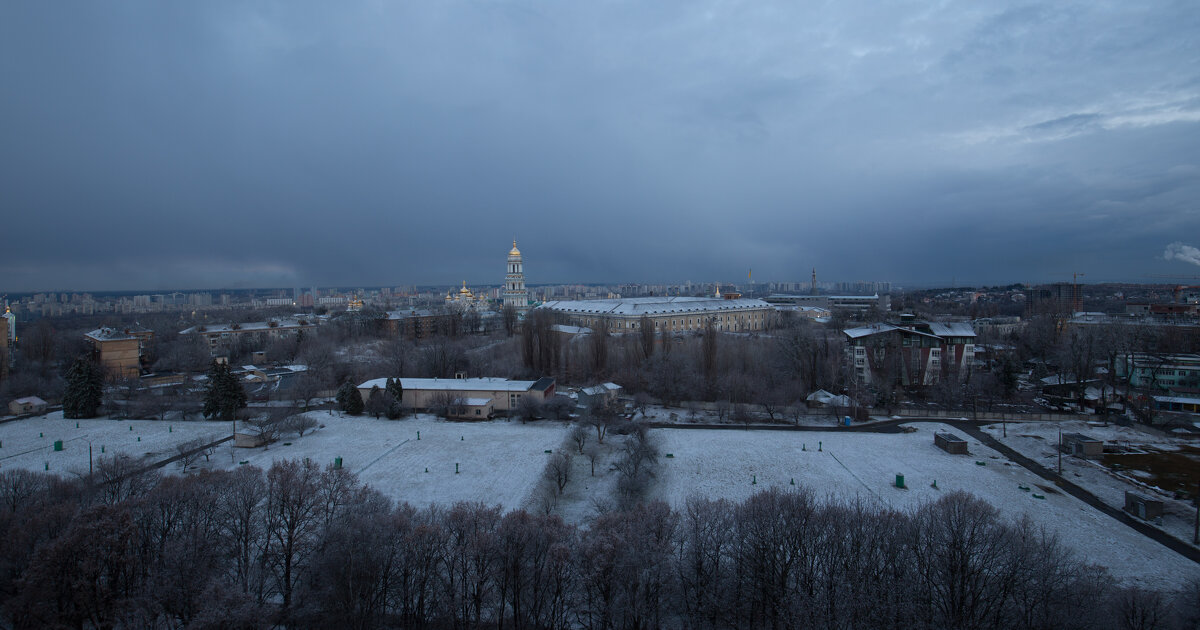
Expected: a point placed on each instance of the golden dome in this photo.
(514, 251)
(464, 290)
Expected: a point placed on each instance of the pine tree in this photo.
(349, 400)
(395, 391)
(378, 402)
(225, 394)
(395, 388)
(85, 390)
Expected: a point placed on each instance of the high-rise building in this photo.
(515, 294)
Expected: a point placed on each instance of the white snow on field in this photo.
(1037, 440)
(29, 443)
(734, 464)
(499, 462)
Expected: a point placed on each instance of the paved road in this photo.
(972, 428)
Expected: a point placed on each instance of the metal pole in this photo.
(1060, 447)
(1196, 530)
(89, 459)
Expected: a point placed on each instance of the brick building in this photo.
(911, 353)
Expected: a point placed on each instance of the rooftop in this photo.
(653, 305)
(249, 326)
(117, 334)
(456, 384)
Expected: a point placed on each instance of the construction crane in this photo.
(1075, 292)
(1177, 292)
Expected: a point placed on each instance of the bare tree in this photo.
(267, 426)
(708, 357)
(119, 477)
(593, 453)
(558, 470)
(508, 315)
(579, 435)
(445, 404)
(189, 451)
(1137, 609)
(307, 387)
(601, 414)
(293, 522)
(600, 338)
(20, 488)
(300, 423)
(528, 408)
(558, 407)
(239, 508)
(646, 336)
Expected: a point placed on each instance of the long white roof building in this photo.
(666, 313)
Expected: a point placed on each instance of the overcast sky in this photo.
(149, 145)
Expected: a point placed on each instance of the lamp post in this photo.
(1060, 449)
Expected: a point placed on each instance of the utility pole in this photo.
(1060, 447)
(1196, 530)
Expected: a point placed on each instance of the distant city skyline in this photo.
(151, 146)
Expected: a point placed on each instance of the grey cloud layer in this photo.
(153, 145)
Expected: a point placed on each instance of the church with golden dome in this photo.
(466, 299)
(515, 294)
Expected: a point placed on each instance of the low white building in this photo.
(503, 394)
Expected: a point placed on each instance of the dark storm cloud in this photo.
(199, 144)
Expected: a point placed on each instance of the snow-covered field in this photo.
(498, 461)
(1037, 440)
(734, 464)
(501, 462)
(29, 443)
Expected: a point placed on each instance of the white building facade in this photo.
(515, 294)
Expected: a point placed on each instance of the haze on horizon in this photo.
(154, 145)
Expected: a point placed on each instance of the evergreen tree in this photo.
(224, 395)
(395, 388)
(349, 399)
(395, 392)
(379, 402)
(85, 390)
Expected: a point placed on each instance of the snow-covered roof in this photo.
(602, 388)
(875, 329)
(477, 402)
(455, 384)
(952, 329)
(248, 326)
(865, 331)
(114, 334)
(819, 396)
(407, 313)
(30, 400)
(1182, 400)
(571, 330)
(1064, 379)
(653, 305)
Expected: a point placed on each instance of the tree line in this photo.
(308, 547)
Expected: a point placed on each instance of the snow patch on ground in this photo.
(501, 462)
(734, 464)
